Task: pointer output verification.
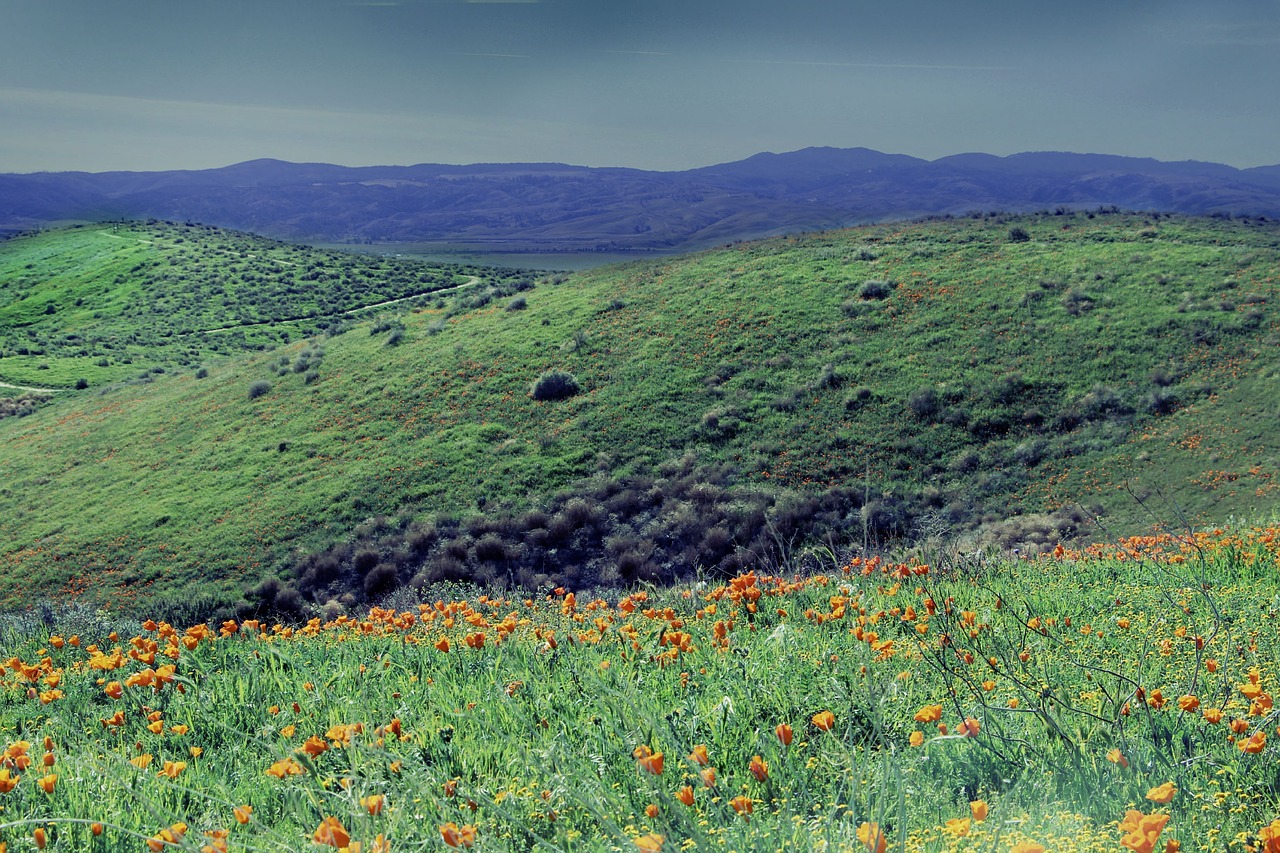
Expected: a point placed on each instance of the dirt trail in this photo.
(29, 388)
(475, 279)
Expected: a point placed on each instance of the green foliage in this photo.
(554, 385)
(721, 358)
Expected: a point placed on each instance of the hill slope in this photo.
(559, 207)
(858, 385)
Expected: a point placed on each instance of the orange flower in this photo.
(699, 755)
(784, 733)
(172, 769)
(929, 714)
(47, 783)
(958, 826)
(242, 813)
(979, 810)
(916, 739)
(1142, 831)
(1115, 756)
(759, 768)
(651, 763)
(743, 805)
(1027, 847)
(652, 842)
(443, 644)
(708, 776)
(114, 689)
(374, 803)
(331, 832)
(870, 834)
(283, 768)
(39, 837)
(1188, 703)
(458, 836)
(142, 762)
(96, 829)
(686, 795)
(824, 720)
(1212, 715)
(1253, 744)
(170, 837)
(651, 811)
(969, 728)
(1162, 793)
(7, 780)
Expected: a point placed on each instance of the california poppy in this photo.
(824, 720)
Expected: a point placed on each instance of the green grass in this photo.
(109, 302)
(1046, 361)
(530, 736)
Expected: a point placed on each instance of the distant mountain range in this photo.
(532, 206)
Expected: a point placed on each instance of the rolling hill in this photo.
(1013, 380)
(552, 206)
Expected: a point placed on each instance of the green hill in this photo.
(1017, 377)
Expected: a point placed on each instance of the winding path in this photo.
(29, 388)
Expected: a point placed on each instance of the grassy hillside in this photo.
(110, 302)
(864, 386)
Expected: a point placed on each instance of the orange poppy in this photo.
(824, 720)
(331, 832)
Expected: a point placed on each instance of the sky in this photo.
(99, 85)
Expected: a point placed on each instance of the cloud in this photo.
(888, 65)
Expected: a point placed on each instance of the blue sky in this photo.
(163, 84)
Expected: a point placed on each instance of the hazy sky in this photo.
(659, 84)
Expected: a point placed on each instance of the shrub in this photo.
(924, 402)
(1018, 234)
(875, 289)
(554, 385)
(259, 388)
(518, 304)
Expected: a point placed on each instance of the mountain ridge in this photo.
(564, 206)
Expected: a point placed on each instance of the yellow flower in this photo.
(652, 842)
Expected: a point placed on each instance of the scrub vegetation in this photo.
(998, 381)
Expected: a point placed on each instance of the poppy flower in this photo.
(699, 755)
(1253, 744)
(872, 835)
(759, 768)
(652, 842)
(784, 733)
(743, 805)
(916, 739)
(1162, 793)
(651, 763)
(47, 783)
(824, 720)
(969, 728)
(686, 795)
(374, 803)
(708, 776)
(651, 811)
(929, 714)
(38, 836)
(979, 810)
(330, 832)
(458, 836)
(242, 813)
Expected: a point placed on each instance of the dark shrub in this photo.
(924, 402)
(875, 289)
(380, 580)
(1018, 234)
(518, 304)
(554, 385)
(259, 388)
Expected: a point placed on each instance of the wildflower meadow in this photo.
(1117, 698)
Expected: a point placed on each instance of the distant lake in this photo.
(488, 256)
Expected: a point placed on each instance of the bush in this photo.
(554, 385)
(259, 388)
(875, 289)
(1018, 234)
